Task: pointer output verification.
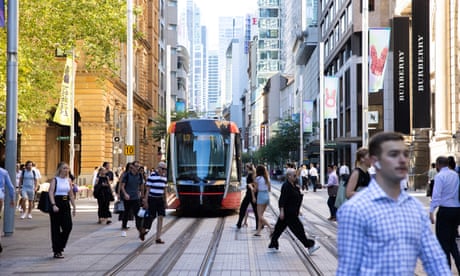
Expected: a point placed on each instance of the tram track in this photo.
(318, 227)
(117, 268)
(167, 260)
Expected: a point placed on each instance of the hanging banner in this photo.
(401, 82)
(307, 113)
(331, 86)
(2, 13)
(421, 91)
(63, 115)
(379, 42)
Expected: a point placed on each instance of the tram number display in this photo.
(129, 150)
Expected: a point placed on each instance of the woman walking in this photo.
(249, 198)
(103, 193)
(263, 196)
(60, 193)
(360, 176)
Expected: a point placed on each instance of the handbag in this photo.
(44, 203)
(118, 207)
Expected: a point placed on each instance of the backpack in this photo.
(33, 172)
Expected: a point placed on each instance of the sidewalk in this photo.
(31, 237)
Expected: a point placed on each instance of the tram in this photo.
(204, 165)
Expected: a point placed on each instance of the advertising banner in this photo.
(379, 42)
(421, 64)
(63, 115)
(307, 113)
(401, 77)
(331, 86)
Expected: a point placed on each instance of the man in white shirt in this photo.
(344, 172)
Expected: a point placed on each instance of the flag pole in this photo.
(365, 72)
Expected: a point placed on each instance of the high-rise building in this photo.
(214, 103)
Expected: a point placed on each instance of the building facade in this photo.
(100, 112)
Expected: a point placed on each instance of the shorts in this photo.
(263, 197)
(28, 194)
(156, 206)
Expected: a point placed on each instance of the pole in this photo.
(72, 115)
(301, 119)
(11, 111)
(365, 71)
(321, 112)
(168, 86)
(129, 80)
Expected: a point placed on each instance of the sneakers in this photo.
(312, 249)
(159, 241)
(58, 255)
(123, 234)
(23, 216)
(29, 216)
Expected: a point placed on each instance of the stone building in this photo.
(100, 112)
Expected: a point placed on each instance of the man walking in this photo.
(445, 198)
(155, 199)
(289, 204)
(332, 188)
(382, 230)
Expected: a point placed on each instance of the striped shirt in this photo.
(378, 235)
(156, 184)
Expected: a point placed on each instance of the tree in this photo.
(281, 146)
(159, 131)
(95, 28)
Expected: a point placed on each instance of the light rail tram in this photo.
(204, 165)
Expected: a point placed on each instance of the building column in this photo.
(442, 79)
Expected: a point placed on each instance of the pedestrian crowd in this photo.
(376, 217)
(135, 188)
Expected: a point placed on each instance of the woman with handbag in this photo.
(103, 193)
(60, 193)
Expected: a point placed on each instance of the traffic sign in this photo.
(129, 150)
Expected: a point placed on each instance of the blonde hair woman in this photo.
(60, 194)
(360, 177)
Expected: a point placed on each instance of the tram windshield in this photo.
(202, 156)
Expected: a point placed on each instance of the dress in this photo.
(104, 196)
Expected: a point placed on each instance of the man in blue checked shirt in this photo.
(382, 230)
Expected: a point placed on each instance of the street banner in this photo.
(331, 86)
(401, 77)
(2, 13)
(379, 42)
(63, 115)
(307, 113)
(421, 91)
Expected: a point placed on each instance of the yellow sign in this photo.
(129, 150)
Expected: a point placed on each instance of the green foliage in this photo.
(95, 28)
(159, 130)
(282, 145)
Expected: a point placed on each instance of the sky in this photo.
(212, 9)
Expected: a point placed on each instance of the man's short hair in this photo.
(161, 164)
(378, 139)
(442, 161)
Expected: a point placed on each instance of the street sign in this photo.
(129, 150)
